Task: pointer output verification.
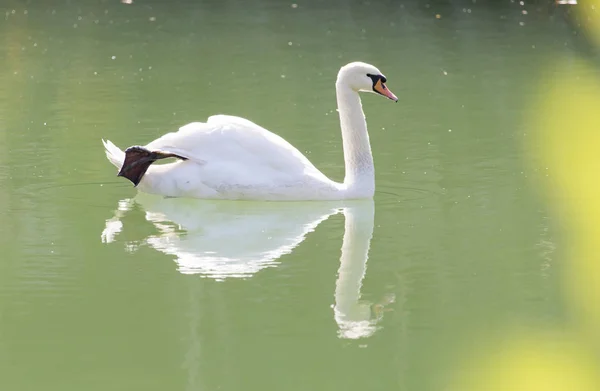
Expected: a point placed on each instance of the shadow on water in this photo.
(221, 240)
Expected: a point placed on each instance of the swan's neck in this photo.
(360, 172)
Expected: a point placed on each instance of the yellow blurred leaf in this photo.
(531, 362)
(566, 136)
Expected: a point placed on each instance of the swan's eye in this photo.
(376, 78)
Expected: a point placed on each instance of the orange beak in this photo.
(383, 90)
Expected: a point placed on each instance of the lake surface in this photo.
(104, 289)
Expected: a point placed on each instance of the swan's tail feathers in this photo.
(113, 153)
(138, 159)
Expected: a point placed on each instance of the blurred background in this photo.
(476, 267)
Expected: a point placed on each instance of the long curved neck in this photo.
(358, 159)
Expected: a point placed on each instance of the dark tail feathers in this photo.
(137, 161)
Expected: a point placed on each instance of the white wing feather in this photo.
(234, 143)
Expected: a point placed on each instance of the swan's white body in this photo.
(230, 157)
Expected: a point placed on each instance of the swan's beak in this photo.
(383, 90)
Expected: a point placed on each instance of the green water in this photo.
(101, 289)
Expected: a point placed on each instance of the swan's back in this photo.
(229, 139)
(237, 159)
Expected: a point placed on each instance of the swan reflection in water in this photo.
(227, 239)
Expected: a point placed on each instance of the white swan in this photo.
(232, 158)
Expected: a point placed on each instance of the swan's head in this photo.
(361, 76)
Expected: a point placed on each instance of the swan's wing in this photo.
(184, 142)
(235, 143)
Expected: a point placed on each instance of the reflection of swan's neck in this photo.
(360, 172)
(353, 317)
